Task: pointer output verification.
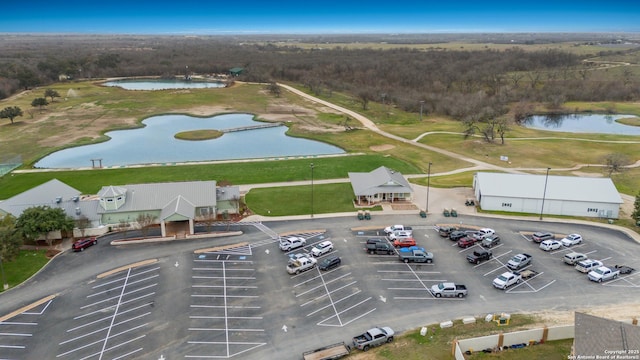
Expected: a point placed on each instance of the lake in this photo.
(162, 84)
(582, 123)
(155, 143)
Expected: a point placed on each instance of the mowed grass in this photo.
(296, 200)
(438, 343)
(23, 267)
(258, 172)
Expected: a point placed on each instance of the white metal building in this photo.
(564, 195)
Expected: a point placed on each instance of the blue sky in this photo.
(318, 16)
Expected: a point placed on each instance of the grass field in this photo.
(23, 267)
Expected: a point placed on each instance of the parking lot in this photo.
(237, 300)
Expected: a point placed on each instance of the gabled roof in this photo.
(156, 196)
(44, 194)
(571, 188)
(180, 206)
(594, 335)
(380, 180)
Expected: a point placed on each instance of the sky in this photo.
(214, 17)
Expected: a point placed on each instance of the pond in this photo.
(582, 123)
(162, 84)
(155, 143)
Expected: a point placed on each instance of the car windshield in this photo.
(502, 278)
(599, 271)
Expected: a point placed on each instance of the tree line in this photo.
(468, 85)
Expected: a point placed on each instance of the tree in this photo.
(636, 209)
(51, 93)
(145, 221)
(39, 103)
(615, 162)
(41, 220)
(82, 223)
(10, 239)
(274, 89)
(10, 112)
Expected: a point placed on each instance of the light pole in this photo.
(311, 190)
(421, 107)
(544, 193)
(428, 183)
(5, 286)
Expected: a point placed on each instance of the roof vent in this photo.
(58, 199)
(77, 211)
(75, 198)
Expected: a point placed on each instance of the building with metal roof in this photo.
(380, 185)
(600, 338)
(547, 194)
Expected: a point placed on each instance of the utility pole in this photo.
(544, 193)
(428, 183)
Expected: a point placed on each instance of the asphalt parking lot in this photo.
(237, 300)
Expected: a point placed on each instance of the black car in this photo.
(457, 235)
(329, 263)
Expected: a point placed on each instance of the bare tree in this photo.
(82, 223)
(145, 221)
(615, 162)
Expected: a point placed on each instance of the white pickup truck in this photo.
(507, 279)
(301, 264)
(603, 273)
(393, 228)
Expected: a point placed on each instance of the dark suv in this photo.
(329, 263)
(457, 235)
(541, 236)
(380, 248)
(84, 243)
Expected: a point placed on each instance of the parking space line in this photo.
(39, 312)
(229, 286)
(118, 287)
(412, 280)
(337, 314)
(358, 317)
(115, 313)
(102, 311)
(326, 294)
(318, 287)
(218, 269)
(101, 329)
(324, 307)
(225, 277)
(124, 356)
(222, 261)
(120, 296)
(15, 334)
(224, 295)
(221, 306)
(231, 317)
(12, 347)
(315, 277)
(17, 323)
(119, 279)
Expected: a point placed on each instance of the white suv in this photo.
(572, 239)
(322, 248)
(292, 242)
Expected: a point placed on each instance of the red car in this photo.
(404, 242)
(84, 243)
(466, 242)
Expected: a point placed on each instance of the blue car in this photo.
(411, 248)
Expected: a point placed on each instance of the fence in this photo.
(8, 163)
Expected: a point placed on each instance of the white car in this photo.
(549, 245)
(483, 233)
(291, 242)
(322, 248)
(572, 239)
(400, 234)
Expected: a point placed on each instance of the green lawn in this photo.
(296, 200)
(90, 181)
(23, 267)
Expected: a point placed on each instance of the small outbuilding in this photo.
(380, 185)
(550, 195)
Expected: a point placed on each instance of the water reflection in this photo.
(582, 123)
(162, 84)
(155, 143)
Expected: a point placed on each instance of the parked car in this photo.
(292, 242)
(549, 245)
(400, 234)
(83, 243)
(445, 231)
(572, 239)
(322, 248)
(478, 256)
(490, 241)
(466, 242)
(330, 262)
(603, 273)
(482, 233)
(406, 242)
(519, 261)
(624, 269)
(541, 236)
(585, 266)
(457, 235)
(573, 258)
